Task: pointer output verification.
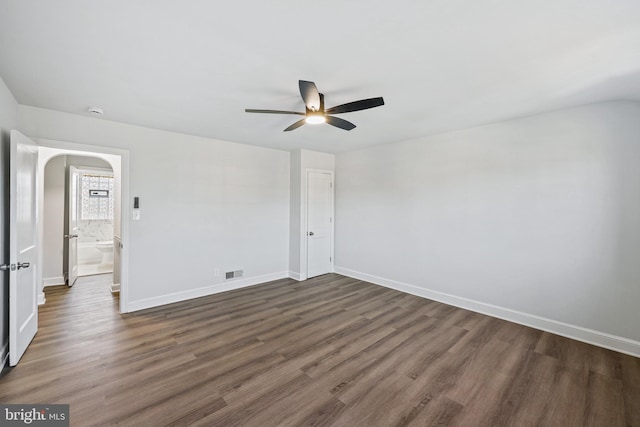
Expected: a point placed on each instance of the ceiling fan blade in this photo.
(296, 125)
(363, 104)
(340, 123)
(251, 110)
(310, 95)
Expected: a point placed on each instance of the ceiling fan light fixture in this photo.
(315, 112)
(316, 119)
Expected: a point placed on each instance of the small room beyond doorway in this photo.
(92, 213)
(95, 201)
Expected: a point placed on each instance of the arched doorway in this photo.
(117, 161)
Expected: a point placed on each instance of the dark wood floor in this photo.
(331, 351)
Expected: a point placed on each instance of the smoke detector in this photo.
(95, 111)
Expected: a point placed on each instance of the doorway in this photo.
(78, 221)
(97, 160)
(28, 160)
(319, 223)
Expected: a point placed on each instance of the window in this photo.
(96, 197)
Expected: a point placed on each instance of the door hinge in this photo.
(331, 185)
(330, 259)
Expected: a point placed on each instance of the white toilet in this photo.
(106, 247)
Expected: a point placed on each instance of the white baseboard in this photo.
(590, 336)
(53, 281)
(296, 276)
(115, 288)
(228, 285)
(49, 281)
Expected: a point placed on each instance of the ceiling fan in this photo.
(315, 111)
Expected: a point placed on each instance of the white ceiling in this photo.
(194, 66)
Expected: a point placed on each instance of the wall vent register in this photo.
(232, 274)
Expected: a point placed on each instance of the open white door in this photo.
(319, 223)
(72, 237)
(23, 248)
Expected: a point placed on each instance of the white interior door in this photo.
(23, 248)
(319, 223)
(72, 236)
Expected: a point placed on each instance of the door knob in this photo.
(23, 265)
(311, 233)
(70, 236)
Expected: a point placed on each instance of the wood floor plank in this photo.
(631, 388)
(604, 400)
(254, 409)
(485, 372)
(569, 398)
(578, 355)
(329, 351)
(440, 411)
(382, 401)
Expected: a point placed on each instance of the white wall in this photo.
(294, 215)
(205, 204)
(535, 219)
(301, 162)
(8, 121)
(87, 162)
(53, 221)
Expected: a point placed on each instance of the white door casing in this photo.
(23, 245)
(72, 236)
(319, 223)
